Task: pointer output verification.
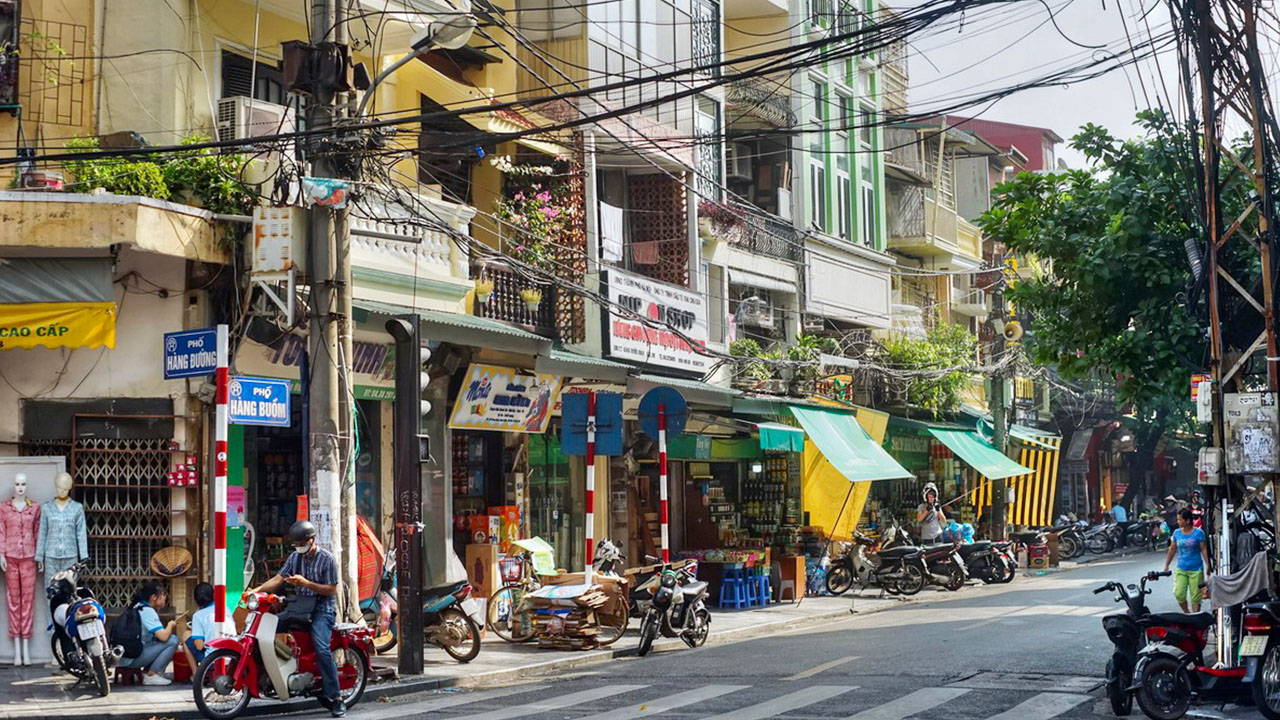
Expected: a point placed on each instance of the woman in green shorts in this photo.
(1192, 549)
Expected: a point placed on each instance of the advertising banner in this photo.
(494, 397)
(677, 326)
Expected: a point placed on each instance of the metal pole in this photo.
(220, 483)
(662, 482)
(591, 485)
(408, 490)
(998, 511)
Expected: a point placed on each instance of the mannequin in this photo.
(63, 537)
(19, 519)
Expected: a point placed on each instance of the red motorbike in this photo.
(275, 658)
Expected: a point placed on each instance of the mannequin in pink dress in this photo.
(19, 520)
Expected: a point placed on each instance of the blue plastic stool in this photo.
(765, 586)
(753, 588)
(733, 591)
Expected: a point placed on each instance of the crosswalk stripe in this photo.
(1041, 707)
(786, 703)
(667, 703)
(556, 703)
(443, 702)
(821, 668)
(908, 705)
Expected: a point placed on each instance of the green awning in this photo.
(847, 446)
(990, 462)
(776, 436)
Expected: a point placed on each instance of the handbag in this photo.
(302, 605)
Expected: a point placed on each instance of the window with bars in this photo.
(710, 144)
(706, 35)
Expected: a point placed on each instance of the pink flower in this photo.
(544, 196)
(553, 212)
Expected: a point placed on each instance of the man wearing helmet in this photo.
(314, 572)
(930, 516)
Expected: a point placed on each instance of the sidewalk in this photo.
(34, 692)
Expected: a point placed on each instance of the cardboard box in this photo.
(509, 525)
(482, 569)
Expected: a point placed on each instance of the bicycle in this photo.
(507, 616)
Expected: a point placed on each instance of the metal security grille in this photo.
(123, 487)
(52, 81)
(706, 35)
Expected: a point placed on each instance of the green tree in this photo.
(937, 364)
(1114, 302)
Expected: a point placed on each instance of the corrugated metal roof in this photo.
(458, 320)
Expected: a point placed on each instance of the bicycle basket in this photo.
(512, 569)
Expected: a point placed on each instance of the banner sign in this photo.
(191, 353)
(258, 401)
(669, 308)
(372, 364)
(57, 324)
(1195, 384)
(494, 397)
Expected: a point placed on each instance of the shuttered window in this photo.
(238, 78)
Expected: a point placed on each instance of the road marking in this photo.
(908, 705)
(667, 703)
(786, 703)
(556, 703)
(821, 668)
(1041, 707)
(439, 703)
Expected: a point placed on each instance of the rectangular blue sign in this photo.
(258, 401)
(190, 353)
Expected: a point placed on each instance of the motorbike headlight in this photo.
(252, 603)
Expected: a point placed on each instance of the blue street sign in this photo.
(190, 353)
(573, 434)
(673, 406)
(258, 401)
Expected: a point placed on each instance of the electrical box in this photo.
(1251, 429)
(1204, 401)
(1209, 466)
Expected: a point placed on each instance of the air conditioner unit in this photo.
(784, 203)
(240, 117)
(738, 161)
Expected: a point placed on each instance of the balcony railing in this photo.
(507, 305)
(903, 150)
(706, 36)
(766, 234)
(763, 99)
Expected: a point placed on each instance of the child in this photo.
(202, 629)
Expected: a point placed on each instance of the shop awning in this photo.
(692, 390)
(459, 328)
(584, 367)
(56, 302)
(847, 446)
(988, 461)
(776, 436)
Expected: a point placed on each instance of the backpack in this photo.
(126, 632)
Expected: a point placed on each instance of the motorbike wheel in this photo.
(890, 586)
(912, 581)
(701, 628)
(648, 633)
(1068, 546)
(1076, 544)
(55, 646)
(1010, 570)
(1118, 680)
(839, 579)
(100, 676)
(381, 643)
(1165, 693)
(503, 618)
(468, 648)
(214, 686)
(955, 578)
(1099, 544)
(352, 663)
(1266, 684)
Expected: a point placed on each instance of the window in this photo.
(818, 95)
(240, 79)
(710, 147)
(818, 192)
(820, 12)
(867, 207)
(844, 197)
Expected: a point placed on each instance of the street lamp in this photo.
(449, 31)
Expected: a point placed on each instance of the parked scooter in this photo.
(379, 611)
(1126, 633)
(275, 658)
(945, 566)
(986, 562)
(859, 561)
(445, 622)
(79, 640)
(677, 609)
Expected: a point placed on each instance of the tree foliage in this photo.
(938, 363)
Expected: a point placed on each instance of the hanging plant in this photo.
(532, 298)
(484, 290)
(535, 211)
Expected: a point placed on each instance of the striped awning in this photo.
(1034, 494)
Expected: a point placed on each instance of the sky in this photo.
(1003, 45)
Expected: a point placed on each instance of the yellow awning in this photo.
(1034, 494)
(58, 324)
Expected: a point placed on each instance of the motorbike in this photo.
(275, 657)
(902, 570)
(677, 609)
(946, 567)
(79, 641)
(987, 562)
(1101, 538)
(1125, 630)
(379, 611)
(859, 561)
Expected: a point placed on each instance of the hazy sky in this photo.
(1001, 46)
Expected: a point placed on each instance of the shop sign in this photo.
(372, 364)
(836, 387)
(902, 443)
(494, 397)
(57, 324)
(258, 401)
(1196, 379)
(670, 309)
(191, 353)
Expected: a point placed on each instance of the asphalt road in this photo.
(1032, 650)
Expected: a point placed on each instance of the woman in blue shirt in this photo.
(159, 641)
(1191, 547)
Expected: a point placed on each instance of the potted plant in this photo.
(775, 384)
(532, 298)
(805, 353)
(484, 290)
(749, 373)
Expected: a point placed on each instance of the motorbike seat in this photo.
(1199, 621)
(1026, 537)
(976, 548)
(293, 622)
(899, 552)
(694, 588)
(439, 591)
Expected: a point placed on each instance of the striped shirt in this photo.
(318, 567)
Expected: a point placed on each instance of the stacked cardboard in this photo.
(567, 617)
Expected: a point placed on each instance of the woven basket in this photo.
(172, 561)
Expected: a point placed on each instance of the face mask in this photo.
(302, 549)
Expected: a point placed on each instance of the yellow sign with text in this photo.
(62, 324)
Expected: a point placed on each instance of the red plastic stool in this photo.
(181, 670)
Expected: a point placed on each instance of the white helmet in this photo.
(929, 488)
(606, 551)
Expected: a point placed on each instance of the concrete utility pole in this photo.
(998, 487)
(330, 350)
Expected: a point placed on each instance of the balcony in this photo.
(904, 156)
(506, 303)
(969, 301)
(920, 227)
(769, 235)
(759, 99)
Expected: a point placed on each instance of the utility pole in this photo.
(998, 491)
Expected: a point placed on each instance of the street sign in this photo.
(258, 401)
(608, 423)
(190, 353)
(673, 405)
